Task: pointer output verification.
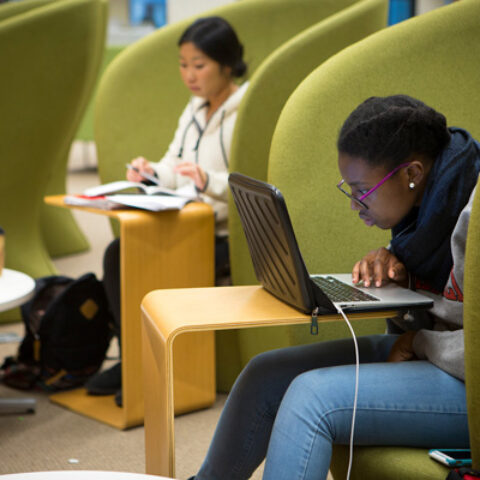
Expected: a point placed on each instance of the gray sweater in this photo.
(440, 329)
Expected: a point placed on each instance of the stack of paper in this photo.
(155, 198)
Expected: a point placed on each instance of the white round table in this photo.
(16, 288)
(80, 475)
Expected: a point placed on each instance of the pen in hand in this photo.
(145, 175)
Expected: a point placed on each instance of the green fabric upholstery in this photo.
(141, 96)
(395, 463)
(472, 329)
(61, 234)
(11, 9)
(270, 87)
(433, 57)
(41, 94)
(85, 131)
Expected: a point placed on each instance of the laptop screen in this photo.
(277, 261)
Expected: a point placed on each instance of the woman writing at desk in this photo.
(210, 59)
(402, 170)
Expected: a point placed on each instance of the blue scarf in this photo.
(422, 239)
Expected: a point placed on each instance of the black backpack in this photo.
(68, 327)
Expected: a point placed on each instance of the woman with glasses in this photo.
(403, 169)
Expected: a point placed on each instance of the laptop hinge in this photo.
(314, 324)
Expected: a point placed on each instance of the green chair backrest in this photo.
(472, 328)
(10, 9)
(85, 131)
(141, 95)
(433, 57)
(47, 49)
(269, 89)
(413, 57)
(61, 234)
(60, 231)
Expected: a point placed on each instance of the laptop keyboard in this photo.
(338, 291)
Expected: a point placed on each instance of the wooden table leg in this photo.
(158, 387)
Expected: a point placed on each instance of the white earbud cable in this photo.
(355, 399)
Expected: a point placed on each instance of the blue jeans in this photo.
(292, 404)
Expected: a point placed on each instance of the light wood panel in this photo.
(157, 250)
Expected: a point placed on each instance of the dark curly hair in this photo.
(388, 130)
(215, 37)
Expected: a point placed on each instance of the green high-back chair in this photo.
(433, 57)
(270, 87)
(141, 96)
(61, 234)
(472, 329)
(50, 51)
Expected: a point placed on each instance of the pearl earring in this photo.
(411, 185)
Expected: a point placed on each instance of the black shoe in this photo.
(107, 382)
(119, 398)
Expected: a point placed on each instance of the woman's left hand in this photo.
(402, 349)
(195, 172)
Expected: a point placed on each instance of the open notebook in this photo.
(279, 266)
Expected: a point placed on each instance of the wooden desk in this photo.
(169, 249)
(168, 315)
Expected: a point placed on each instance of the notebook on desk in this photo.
(280, 268)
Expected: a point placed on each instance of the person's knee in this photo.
(260, 369)
(319, 399)
(262, 383)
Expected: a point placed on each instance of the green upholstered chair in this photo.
(48, 49)
(433, 57)
(61, 234)
(472, 330)
(141, 96)
(270, 87)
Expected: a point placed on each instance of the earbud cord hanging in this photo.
(355, 399)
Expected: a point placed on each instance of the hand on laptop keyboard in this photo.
(379, 267)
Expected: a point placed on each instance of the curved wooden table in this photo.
(168, 249)
(170, 315)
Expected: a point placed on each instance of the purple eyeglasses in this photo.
(359, 201)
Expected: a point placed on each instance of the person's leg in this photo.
(108, 382)
(243, 431)
(222, 261)
(111, 281)
(407, 403)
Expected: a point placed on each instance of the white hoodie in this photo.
(208, 145)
